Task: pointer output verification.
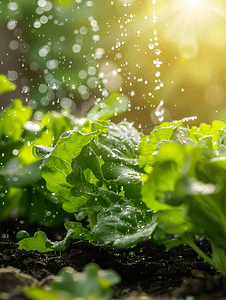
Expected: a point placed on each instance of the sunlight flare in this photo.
(190, 22)
(193, 4)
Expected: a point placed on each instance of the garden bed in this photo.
(147, 271)
(124, 196)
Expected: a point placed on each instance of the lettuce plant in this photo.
(119, 185)
(92, 283)
(23, 192)
(94, 172)
(185, 184)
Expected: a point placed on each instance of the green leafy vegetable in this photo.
(35, 243)
(125, 186)
(97, 177)
(185, 185)
(93, 283)
(60, 245)
(23, 191)
(41, 243)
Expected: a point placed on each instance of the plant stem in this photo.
(205, 257)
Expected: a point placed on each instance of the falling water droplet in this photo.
(159, 111)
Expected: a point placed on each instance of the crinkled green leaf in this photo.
(74, 203)
(123, 226)
(79, 232)
(148, 143)
(162, 179)
(35, 243)
(104, 198)
(87, 178)
(119, 144)
(124, 176)
(108, 108)
(87, 159)
(6, 85)
(60, 245)
(204, 129)
(58, 164)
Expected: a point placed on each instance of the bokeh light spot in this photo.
(66, 103)
(12, 6)
(13, 45)
(188, 48)
(11, 25)
(76, 48)
(82, 74)
(215, 94)
(43, 88)
(12, 75)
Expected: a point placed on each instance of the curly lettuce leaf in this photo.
(123, 226)
(120, 144)
(35, 243)
(205, 129)
(59, 159)
(192, 202)
(95, 172)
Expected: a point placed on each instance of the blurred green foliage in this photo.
(93, 283)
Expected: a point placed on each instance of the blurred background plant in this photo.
(67, 54)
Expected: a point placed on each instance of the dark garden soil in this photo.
(147, 271)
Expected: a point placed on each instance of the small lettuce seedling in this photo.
(41, 243)
(93, 283)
